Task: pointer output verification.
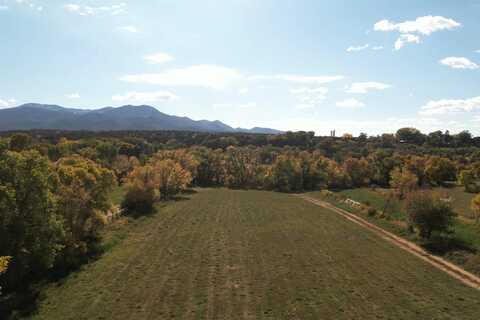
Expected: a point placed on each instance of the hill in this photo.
(42, 116)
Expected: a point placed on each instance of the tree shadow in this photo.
(439, 245)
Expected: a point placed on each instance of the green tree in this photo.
(20, 141)
(30, 228)
(429, 214)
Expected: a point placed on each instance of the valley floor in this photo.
(225, 254)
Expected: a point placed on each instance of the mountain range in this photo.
(44, 116)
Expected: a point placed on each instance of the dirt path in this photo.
(453, 270)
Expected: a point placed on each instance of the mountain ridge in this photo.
(31, 116)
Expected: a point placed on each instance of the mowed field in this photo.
(224, 254)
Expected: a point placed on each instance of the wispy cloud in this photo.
(83, 10)
(131, 29)
(376, 48)
(364, 87)
(298, 78)
(406, 38)
(243, 91)
(209, 76)
(2, 7)
(447, 106)
(459, 63)
(357, 48)
(145, 97)
(75, 95)
(158, 58)
(350, 104)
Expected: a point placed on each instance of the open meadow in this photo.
(226, 254)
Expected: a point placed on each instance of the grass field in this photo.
(255, 255)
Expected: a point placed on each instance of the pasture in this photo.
(225, 254)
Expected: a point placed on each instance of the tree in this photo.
(30, 227)
(428, 214)
(4, 261)
(439, 170)
(140, 195)
(83, 201)
(410, 135)
(469, 180)
(170, 178)
(20, 141)
(403, 181)
(476, 208)
(358, 170)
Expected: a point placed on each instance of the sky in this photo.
(352, 66)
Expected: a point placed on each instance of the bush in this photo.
(429, 214)
(371, 212)
(139, 200)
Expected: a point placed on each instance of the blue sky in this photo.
(354, 66)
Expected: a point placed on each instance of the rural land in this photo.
(189, 225)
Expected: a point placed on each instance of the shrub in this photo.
(429, 214)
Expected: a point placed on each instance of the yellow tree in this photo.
(141, 187)
(170, 178)
(403, 181)
(476, 207)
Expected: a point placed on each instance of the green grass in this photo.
(255, 255)
(117, 195)
(461, 200)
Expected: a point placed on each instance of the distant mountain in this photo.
(44, 116)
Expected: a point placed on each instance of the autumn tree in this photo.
(170, 178)
(469, 180)
(242, 167)
(403, 181)
(476, 208)
(438, 170)
(140, 184)
(83, 202)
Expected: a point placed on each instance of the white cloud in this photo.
(75, 95)
(208, 76)
(243, 91)
(145, 97)
(131, 29)
(115, 9)
(376, 48)
(446, 106)
(298, 78)
(459, 63)
(364, 87)
(406, 38)
(7, 103)
(358, 48)
(158, 58)
(350, 103)
(423, 25)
